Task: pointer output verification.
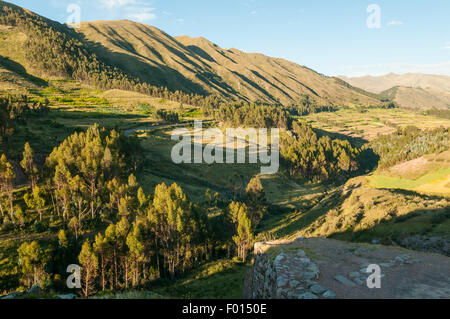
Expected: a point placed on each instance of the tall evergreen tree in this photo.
(7, 176)
(89, 267)
(32, 261)
(28, 165)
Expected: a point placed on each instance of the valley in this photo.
(87, 175)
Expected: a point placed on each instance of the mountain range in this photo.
(134, 52)
(121, 54)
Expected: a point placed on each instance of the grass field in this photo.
(427, 174)
(424, 183)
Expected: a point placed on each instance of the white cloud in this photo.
(137, 10)
(110, 4)
(141, 14)
(394, 23)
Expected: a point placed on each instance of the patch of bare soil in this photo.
(410, 166)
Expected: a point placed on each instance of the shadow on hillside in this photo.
(394, 231)
(75, 114)
(204, 282)
(355, 141)
(413, 193)
(158, 75)
(257, 74)
(155, 72)
(20, 70)
(201, 53)
(287, 224)
(256, 86)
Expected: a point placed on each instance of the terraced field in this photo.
(367, 124)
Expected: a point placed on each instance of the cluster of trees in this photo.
(167, 236)
(167, 116)
(409, 143)
(32, 261)
(318, 158)
(120, 236)
(164, 236)
(249, 115)
(14, 109)
(86, 171)
(7, 177)
(306, 105)
(303, 110)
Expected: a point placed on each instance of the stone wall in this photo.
(283, 274)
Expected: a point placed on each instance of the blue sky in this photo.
(329, 36)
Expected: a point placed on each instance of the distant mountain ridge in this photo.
(412, 90)
(378, 84)
(418, 98)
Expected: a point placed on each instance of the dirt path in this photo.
(405, 273)
(155, 127)
(43, 236)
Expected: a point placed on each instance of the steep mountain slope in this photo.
(184, 62)
(145, 52)
(378, 84)
(45, 48)
(132, 56)
(255, 75)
